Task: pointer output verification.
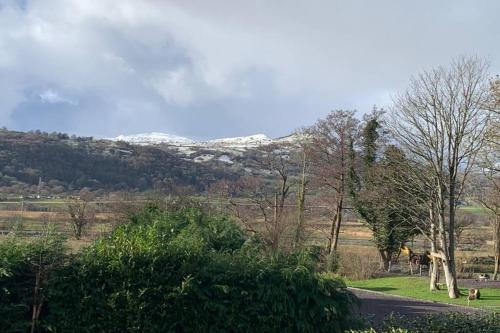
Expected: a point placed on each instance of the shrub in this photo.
(183, 271)
(440, 323)
(26, 267)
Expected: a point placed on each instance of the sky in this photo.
(209, 69)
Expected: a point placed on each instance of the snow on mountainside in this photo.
(237, 154)
(174, 140)
(252, 140)
(153, 138)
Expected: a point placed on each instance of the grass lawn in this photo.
(418, 287)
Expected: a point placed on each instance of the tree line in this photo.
(404, 170)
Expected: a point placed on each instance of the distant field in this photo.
(474, 209)
(34, 213)
(490, 298)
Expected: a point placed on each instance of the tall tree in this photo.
(487, 186)
(329, 143)
(375, 187)
(441, 121)
(302, 158)
(265, 214)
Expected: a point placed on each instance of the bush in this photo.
(26, 267)
(184, 272)
(440, 323)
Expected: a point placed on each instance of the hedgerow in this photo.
(440, 323)
(186, 272)
(26, 267)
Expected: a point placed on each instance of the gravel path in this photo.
(375, 306)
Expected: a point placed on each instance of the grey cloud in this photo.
(217, 68)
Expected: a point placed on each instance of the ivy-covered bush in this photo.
(186, 272)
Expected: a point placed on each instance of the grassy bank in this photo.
(418, 287)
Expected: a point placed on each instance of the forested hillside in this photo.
(66, 164)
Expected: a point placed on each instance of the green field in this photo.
(418, 287)
(479, 210)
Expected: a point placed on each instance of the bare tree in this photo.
(261, 204)
(495, 89)
(329, 144)
(218, 194)
(81, 212)
(277, 161)
(487, 186)
(423, 193)
(441, 120)
(302, 157)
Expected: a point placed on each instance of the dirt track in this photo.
(375, 306)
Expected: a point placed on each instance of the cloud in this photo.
(53, 97)
(220, 68)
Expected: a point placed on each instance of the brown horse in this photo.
(419, 260)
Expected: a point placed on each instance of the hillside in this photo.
(66, 164)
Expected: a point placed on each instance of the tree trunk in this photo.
(300, 219)
(385, 260)
(497, 264)
(301, 198)
(448, 265)
(340, 202)
(496, 244)
(275, 231)
(434, 268)
(451, 280)
(336, 226)
(453, 290)
(449, 275)
(434, 272)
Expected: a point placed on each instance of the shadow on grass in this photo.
(487, 298)
(380, 288)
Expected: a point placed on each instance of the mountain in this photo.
(239, 154)
(242, 141)
(63, 164)
(155, 138)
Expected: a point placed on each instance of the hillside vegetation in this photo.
(71, 163)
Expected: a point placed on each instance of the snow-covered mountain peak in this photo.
(239, 143)
(251, 140)
(153, 138)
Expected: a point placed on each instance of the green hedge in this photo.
(440, 323)
(185, 272)
(20, 262)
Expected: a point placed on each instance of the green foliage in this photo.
(68, 164)
(185, 272)
(382, 193)
(370, 136)
(332, 262)
(440, 323)
(20, 262)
